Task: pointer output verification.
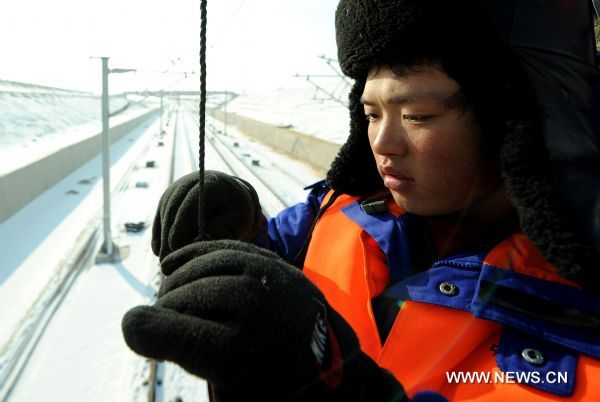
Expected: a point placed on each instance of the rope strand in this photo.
(202, 117)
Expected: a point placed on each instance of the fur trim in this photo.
(541, 216)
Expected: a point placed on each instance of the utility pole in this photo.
(161, 113)
(225, 114)
(107, 250)
(107, 246)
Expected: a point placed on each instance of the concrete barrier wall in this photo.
(21, 186)
(305, 147)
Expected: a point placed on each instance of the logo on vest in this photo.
(319, 344)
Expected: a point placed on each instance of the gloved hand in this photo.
(232, 211)
(256, 328)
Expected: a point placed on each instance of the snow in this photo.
(30, 276)
(81, 355)
(60, 218)
(304, 109)
(36, 120)
(23, 87)
(68, 363)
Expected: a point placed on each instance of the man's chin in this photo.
(420, 207)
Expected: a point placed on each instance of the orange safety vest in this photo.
(432, 343)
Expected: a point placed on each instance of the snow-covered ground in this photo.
(47, 232)
(37, 120)
(304, 109)
(82, 356)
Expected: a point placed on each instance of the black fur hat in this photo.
(528, 69)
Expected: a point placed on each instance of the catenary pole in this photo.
(107, 251)
(161, 113)
(225, 114)
(107, 246)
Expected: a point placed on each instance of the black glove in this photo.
(256, 328)
(232, 211)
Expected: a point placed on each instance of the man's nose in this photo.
(389, 138)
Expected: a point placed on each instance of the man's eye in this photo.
(417, 118)
(371, 117)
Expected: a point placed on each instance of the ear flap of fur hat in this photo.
(554, 40)
(550, 167)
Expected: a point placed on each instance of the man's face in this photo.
(427, 149)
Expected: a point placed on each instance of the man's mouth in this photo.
(395, 180)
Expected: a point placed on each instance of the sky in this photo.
(253, 45)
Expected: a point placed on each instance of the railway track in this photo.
(271, 179)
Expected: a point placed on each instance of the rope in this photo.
(202, 117)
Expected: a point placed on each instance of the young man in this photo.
(448, 249)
